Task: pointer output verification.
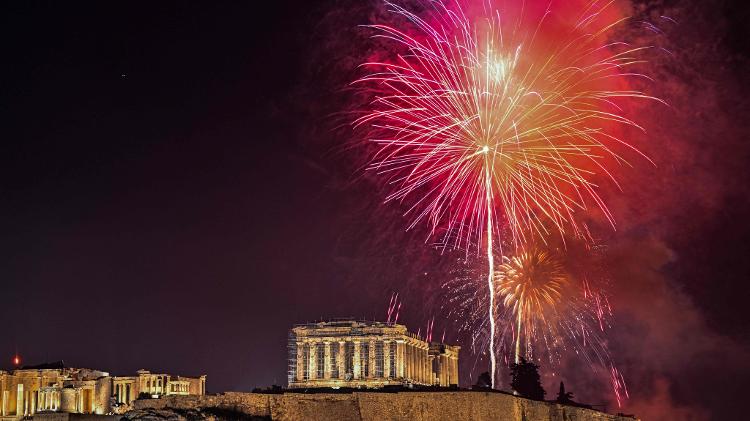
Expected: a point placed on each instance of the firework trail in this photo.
(394, 305)
(485, 122)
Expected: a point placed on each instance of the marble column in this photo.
(452, 371)
(386, 359)
(441, 369)
(313, 361)
(326, 360)
(300, 369)
(400, 359)
(451, 375)
(356, 361)
(414, 362)
(19, 400)
(371, 358)
(417, 371)
(430, 373)
(448, 370)
(409, 361)
(455, 370)
(419, 364)
(405, 359)
(341, 359)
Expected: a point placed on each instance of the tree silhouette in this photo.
(564, 397)
(525, 380)
(484, 381)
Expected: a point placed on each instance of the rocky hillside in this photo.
(360, 406)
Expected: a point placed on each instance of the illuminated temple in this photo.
(54, 387)
(367, 354)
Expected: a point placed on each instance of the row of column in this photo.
(28, 403)
(448, 370)
(123, 393)
(412, 361)
(335, 355)
(49, 400)
(32, 401)
(418, 363)
(178, 388)
(154, 384)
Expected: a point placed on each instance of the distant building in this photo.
(53, 387)
(367, 354)
(127, 389)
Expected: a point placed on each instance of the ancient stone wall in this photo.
(371, 406)
(296, 406)
(52, 416)
(64, 416)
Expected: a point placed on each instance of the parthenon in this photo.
(367, 354)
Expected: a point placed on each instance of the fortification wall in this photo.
(297, 406)
(256, 404)
(64, 416)
(371, 406)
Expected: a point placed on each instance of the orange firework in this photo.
(531, 285)
(549, 301)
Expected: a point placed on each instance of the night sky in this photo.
(175, 196)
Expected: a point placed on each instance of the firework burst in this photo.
(477, 123)
(484, 123)
(531, 286)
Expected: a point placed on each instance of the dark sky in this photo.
(156, 212)
(171, 197)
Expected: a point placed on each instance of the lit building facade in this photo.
(53, 387)
(126, 389)
(367, 354)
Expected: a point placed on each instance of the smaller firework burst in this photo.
(550, 303)
(530, 286)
